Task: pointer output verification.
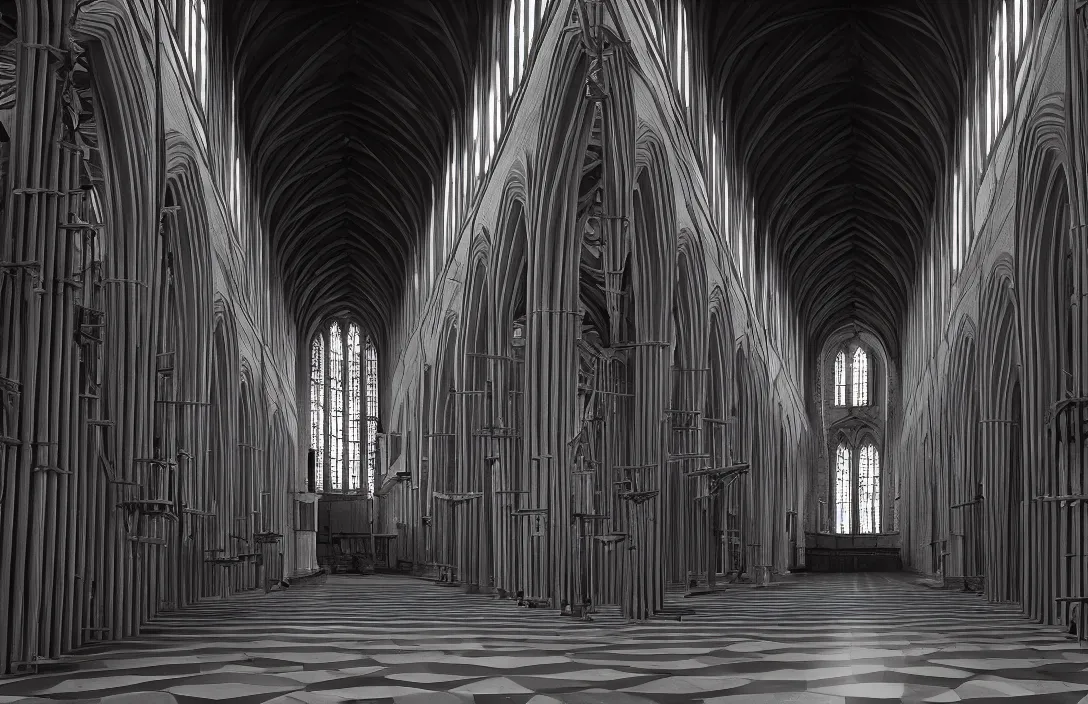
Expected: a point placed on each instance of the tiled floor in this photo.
(811, 640)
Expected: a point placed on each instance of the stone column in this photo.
(551, 385)
(650, 360)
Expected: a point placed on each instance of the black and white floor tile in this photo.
(830, 639)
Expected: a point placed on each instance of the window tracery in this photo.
(856, 482)
(190, 20)
(860, 374)
(840, 378)
(1009, 32)
(371, 412)
(317, 406)
(336, 406)
(851, 377)
(343, 396)
(683, 57)
(355, 407)
(868, 490)
(843, 490)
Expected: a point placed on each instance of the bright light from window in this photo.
(523, 39)
(317, 406)
(1004, 60)
(371, 412)
(869, 490)
(842, 490)
(336, 407)
(338, 396)
(840, 378)
(511, 42)
(861, 377)
(355, 406)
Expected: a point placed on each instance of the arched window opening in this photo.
(868, 490)
(683, 68)
(317, 406)
(338, 365)
(336, 406)
(1003, 59)
(512, 47)
(355, 406)
(989, 109)
(523, 39)
(860, 373)
(840, 378)
(371, 412)
(494, 121)
(191, 24)
(477, 140)
(842, 490)
(473, 143)
(1022, 24)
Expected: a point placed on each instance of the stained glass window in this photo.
(317, 406)
(336, 407)
(842, 490)
(355, 406)
(860, 374)
(869, 490)
(840, 379)
(371, 412)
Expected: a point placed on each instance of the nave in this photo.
(590, 302)
(397, 639)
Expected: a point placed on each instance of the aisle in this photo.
(834, 638)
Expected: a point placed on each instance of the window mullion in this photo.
(346, 410)
(848, 393)
(327, 395)
(855, 493)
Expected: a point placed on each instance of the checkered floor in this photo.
(812, 639)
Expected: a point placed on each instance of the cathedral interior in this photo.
(542, 351)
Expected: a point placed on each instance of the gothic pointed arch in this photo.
(1047, 295)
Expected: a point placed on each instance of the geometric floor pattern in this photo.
(813, 639)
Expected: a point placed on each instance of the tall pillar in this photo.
(647, 514)
(551, 385)
(33, 313)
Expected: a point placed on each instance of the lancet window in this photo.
(860, 373)
(868, 489)
(856, 483)
(851, 377)
(190, 20)
(343, 397)
(840, 378)
(843, 490)
(1010, 32)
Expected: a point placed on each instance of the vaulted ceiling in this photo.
(347, 107)
(842, 114)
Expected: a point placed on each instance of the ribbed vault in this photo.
(347, 108)
(842, 115)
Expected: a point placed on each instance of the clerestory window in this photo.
(851, 378)
(860, 373)
(190, 21)
(840, 378)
